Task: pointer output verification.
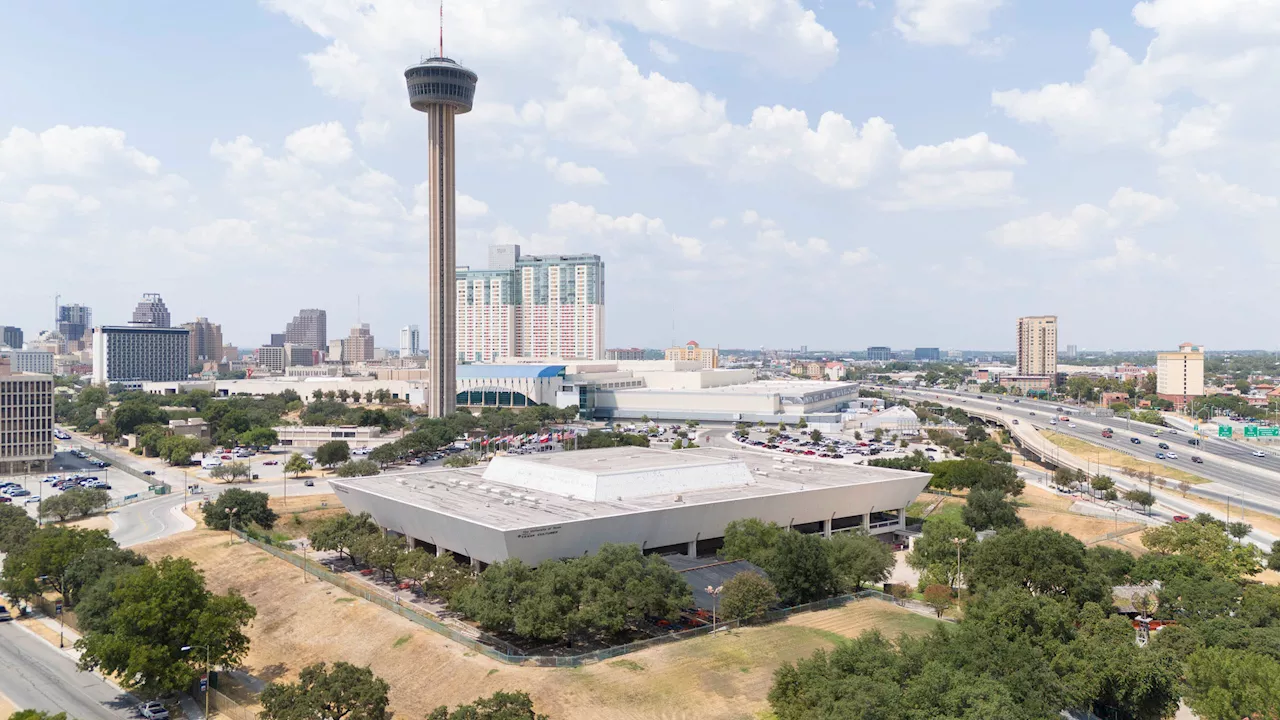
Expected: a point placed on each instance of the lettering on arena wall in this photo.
(538, 532)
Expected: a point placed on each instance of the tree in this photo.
(379, 551)
(45, 557)
(938, 597)
(935, 551)
(297, 464)
(1041, 560)
(358, 468)
(1207, 543)
(746, 595)
(178, 449)
(499, 706)
(1101, 483)
(800, 568)
(438, 575)
(1228, 684)
(976, 475)
(750, 539)
(975, 433)
(858, 559)
(1141, 498)
(385, 454)
(333, 452)
(37, 715)
(152, 612)
(231, 471)
(1239, 530)
(16, 526)
(677, 444)
(989, 510)
(339, 534)
(346, 692)
(317, 394)
(241, 506)
(75, 501)
(344, 394)
(1273, 559)
(461, 460)
(90, 566)
(816, 436)
(129, 414)
(260, 437)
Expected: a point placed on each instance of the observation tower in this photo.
(441, 88)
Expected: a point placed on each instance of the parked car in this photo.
(4, 614)
(148, 472)
(271, 462)
(153, 711)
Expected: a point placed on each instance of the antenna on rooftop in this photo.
(441, 28)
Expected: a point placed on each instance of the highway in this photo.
(1238, 451)
(1230, 474)
(36, 675)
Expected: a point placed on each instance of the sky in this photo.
(754, 173)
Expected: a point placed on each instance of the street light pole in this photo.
(958, 543)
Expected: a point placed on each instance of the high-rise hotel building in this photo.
(1038, 345)
(543, 306)
(26, 420)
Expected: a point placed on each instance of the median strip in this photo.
(1086, 450)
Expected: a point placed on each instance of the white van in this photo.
(210, 462)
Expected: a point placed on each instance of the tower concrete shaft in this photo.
(442, 89)
(442, 341)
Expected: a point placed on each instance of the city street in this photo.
(36, 675)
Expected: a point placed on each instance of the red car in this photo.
(226, 457)
(1180, 518)
(271, 462)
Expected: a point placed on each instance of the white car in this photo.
(1071, 425)
(1259, 453)
(1171, 456)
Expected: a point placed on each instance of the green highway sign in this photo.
(1251, 431)
(1224, 431)
(1269, 432)
(1195, 428)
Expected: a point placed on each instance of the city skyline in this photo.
(896, 155)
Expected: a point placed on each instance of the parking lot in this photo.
(30, 489)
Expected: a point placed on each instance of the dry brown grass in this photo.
(1263, 521)
(7, 707)
(724, 677)
(1082, 527)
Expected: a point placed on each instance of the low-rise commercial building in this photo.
(624, 354)
(567, 504)
(1028, 383)
(707, 358)
(26, 420)
(313, 436)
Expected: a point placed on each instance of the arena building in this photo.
(567, 504)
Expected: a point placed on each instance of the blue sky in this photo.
(755, 172)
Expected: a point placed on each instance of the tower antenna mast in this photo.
(441, 28)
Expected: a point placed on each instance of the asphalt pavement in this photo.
(36, 675)
(1262, 482)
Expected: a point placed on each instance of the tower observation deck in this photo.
(441, 88)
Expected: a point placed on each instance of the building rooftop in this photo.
(515, 492)
(473, 372)
(754, 387)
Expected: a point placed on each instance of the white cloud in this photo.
(662, 53)
(468, 206)
(571, 173)
(1047, 230)
(1128, 255)
(854, 258)
(955, 190)
(326, 143)
(1212, 190)
(62, 151)
(944, 22)
(572, 217)
(771, 241)
(1133, 208)
(1208, 63)
(962, 153)
(717, 223)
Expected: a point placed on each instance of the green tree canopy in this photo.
(333, 452)
(934, 555)
(345, 692)
(499, 706)
(746, 595)
(858, 559)
(976, 475)
(1041, 560)
(15, 527)
(357, 468)
(990, 510)
(297, 464)
(247, 507)
(47, 554)
(152, 612)
(1206, 542)
(339, 534)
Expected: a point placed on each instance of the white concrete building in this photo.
(412, 392)
(132, 355)
(1180, 375)
(410, 341)
(30, 361)
(1038, 345)
(313, 436)
(26, 420)
(567, 504)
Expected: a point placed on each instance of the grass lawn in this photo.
(722, 677)
(1106, 456)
